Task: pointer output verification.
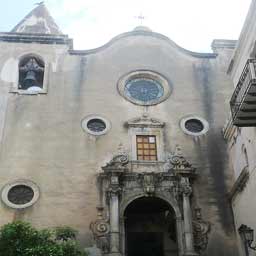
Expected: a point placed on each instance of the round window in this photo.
(95, 125)
(144, 87)
(194, 125)
(20, 194)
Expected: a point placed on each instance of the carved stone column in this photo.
(179, 236)
(114, 215)
(188, 228)
(112, 172)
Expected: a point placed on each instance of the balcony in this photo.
(243, 100)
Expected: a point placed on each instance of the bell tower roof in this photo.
(38, 21)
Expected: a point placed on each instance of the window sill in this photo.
(146, 162)
(25, 92)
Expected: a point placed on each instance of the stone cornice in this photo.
(36, 38)
(223, 43)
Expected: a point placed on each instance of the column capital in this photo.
(186, 188)
(114, 191)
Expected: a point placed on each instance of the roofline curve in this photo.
(144, 33)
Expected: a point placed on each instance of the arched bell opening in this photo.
(150, 228)
(31, 73)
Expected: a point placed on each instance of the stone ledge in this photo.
(223, 43)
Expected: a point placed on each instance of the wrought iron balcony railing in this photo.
(243, 100)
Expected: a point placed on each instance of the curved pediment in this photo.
(144, 31)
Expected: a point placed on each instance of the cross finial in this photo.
(140, 17)
(40, 3)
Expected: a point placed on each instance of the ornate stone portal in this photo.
(119, 186)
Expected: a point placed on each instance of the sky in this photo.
(192, 24)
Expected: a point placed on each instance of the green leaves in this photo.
(21, 239)
(65, 233)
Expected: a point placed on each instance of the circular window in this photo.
(194, 125)
(20, 194)
(144, 87)
(95, 125)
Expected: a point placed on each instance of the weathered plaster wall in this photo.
(43, 140)
(241, 143)
(242, 149)
(246, 45)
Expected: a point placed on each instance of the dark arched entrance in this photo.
(150, 228)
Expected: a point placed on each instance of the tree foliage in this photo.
(21, 239)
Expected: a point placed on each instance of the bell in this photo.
(30, 79)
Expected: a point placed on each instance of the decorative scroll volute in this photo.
(100, 229)
(178, 163)
(119, 161)
(120, 183)
(201, 230)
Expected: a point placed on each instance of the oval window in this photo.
(194, 125)
(95, 125)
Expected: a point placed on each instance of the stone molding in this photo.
(144, 121)
(36, 38)
(146, 125)
(240, 183)
(223, 43)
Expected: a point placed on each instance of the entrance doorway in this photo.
(150, 228)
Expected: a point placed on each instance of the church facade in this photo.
(123, 143)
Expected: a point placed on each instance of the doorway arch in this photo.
(150, 228)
